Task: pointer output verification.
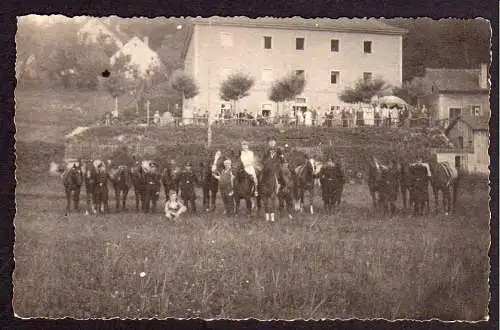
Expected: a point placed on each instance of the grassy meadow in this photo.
(353, 263)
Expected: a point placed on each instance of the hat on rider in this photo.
(271, 138)
(244, 142)
(188, 164)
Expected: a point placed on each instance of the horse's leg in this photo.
(249, 204)
(447, 197)
(266, 208)
(214, 197)
(124, 198)
(403, 196)
(206, 197)
(137, 194)
(273, 209)
(311, 200)
(68, 201)
(237, 201)
(435, 190)
(106, 201)
(117, 197)
(455, 193)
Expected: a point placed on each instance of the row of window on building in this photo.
(267, 75)
(300, 43)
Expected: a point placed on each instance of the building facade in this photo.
(458, 92)
(470, 136)
(331, 54)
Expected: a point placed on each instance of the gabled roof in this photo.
(363, 25)
(455, 80)
(475, 123)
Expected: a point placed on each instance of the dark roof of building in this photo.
(371, 25)
(475, 123)
(455, 80)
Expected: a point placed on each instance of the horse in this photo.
(286, 181)
(444, 178)
(138, 182)
(383, 181)
(305, 177)
(419, 187)
(121, 180)
(332, 184)
(244, 188)
(72, 180)
(210, 186)
(268, 187)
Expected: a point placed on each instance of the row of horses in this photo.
(412, 181)
(280, 185)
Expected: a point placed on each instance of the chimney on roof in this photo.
(483, 76)
(146, 40)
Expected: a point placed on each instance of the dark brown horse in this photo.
(210, 186)
(90, 176)
(305, 177)
(121, 181)
(244, 188)
(332, 181)
(383, 182)
(445, 178)
(286, 180)
(72, 180)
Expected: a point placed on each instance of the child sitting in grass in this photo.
(173, 207)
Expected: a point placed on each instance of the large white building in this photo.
(332, 54)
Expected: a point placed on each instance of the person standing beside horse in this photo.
(226, 186)
(169, 178)
(187, 183)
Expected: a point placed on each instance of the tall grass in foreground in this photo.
(354, 263)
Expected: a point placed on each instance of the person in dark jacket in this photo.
(272, 152)
(226, 184)
(187, 183)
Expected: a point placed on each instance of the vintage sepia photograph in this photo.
(269, 168)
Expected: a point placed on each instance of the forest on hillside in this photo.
(445, 43)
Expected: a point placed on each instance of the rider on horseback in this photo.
(247, 158)
(272, 152)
